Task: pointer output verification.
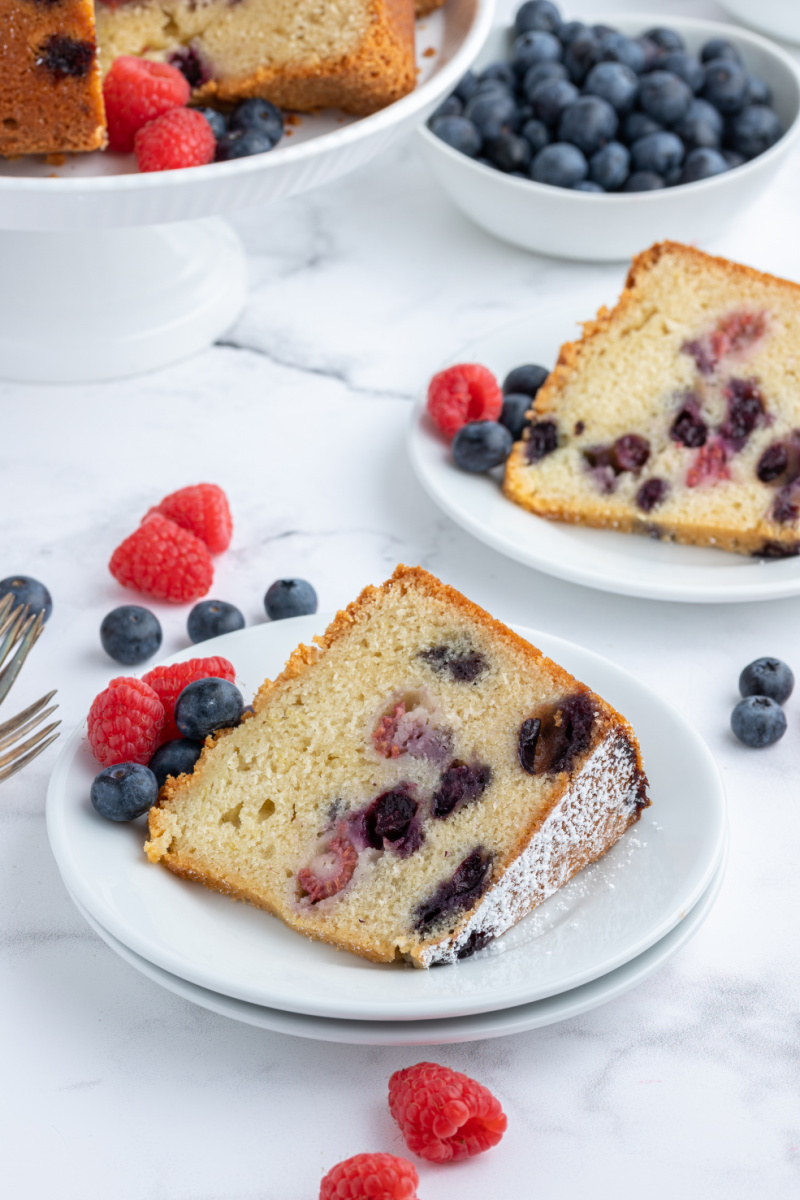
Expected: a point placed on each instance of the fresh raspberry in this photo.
(169, 682)
(181, 137)
(136, 91)
(203, 510)
(125, 722)
(444, 1116)
(164, 561)
(371, 1177)
(467, 392)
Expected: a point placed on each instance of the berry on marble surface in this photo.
(290, 598)
(444, 1116)
(370, 1177)
(767, 677)
(211, 618)
(758, 721)
(164, 561)
(203, 509)
(30, 592)
(130, 634)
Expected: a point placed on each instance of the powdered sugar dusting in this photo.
(593, 813)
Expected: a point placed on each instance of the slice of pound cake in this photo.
(410, 786)
(677, 414)
(357, 55)
(51, 100)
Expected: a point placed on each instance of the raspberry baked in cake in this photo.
(678, 413)
(50, 94)
(410, 786)
(357, 55)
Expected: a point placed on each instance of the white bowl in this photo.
(781, 18)
(588, 226)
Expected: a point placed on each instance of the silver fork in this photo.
(18, 629)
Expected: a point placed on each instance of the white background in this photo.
(112, 1088)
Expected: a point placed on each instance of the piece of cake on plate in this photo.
(678, 413)
(356, 55)
(410, 786)
(51, 99)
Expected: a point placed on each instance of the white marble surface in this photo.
(688, 1086)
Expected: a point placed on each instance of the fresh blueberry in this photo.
(130, 634)
(490, 113)
(637, 125)
(219, 126)
(726, 85)
(588, 185)
(290, 598)
(536, 134)
(686, 67)
(515, 406)
(732, 159)
(258, 116)
(602, 31)
(525, 380)
(124, 792)
(673, 177)
(210, 618)
(572, 29)
(758, 721)
(26, 590)
(758, 91)
(534, 47)
(658, 152)
(615, 47)
(767, 677)
(560, 165)
(719, 48)
(581, 55)
(643, 181)
(542, 72)
(614, 82)
(539, 15)
(652, 52)
(588, 123)
(238, 143)
(480, 445)
(700, 125)
(610, 166)
(466, 87)
(664, 97)
(175, 758)
(509, 153)
(666, 39)
(207, 705)
(451, 107)
(550, 98)
(754, 130)
(459, 133)
(702, 163)
(503, 72)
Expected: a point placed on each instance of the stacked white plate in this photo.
(608, 929)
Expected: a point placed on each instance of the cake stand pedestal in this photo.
(91, 305)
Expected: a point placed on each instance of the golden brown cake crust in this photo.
(49, 109)
(610, 727)
(572, 357)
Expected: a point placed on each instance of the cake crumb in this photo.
(55, 160)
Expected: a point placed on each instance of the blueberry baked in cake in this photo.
(357, 55)
(410, 786)
(678, 413)
(50, 94)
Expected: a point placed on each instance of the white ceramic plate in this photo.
(102, 190)
(600, 558)
(506, 1021)
(610, 913)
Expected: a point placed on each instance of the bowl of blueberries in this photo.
(590, 142)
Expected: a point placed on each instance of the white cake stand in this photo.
(108, 273)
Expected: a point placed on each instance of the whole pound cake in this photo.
(357, 55)
(410, 786)
(51, 99)
(677, 414)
